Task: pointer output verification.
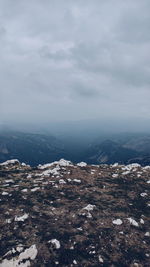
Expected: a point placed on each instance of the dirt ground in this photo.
(74, 215)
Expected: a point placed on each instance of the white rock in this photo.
(89, 215)
(12, 161)
(117, 222)
(62, 181)
(80, 229)
(61, 162)
(77, 180)
(55, 242)
(24, 190)
(115, 165)
(89, 207)
(115, 175)
(21, 218)
(142, 221)
(19, 248)
(8, 220)
(82, 164)
(133, 222)
(135, 264)
(35, 189)
(126, 172)
(130, 167)
(5, 193)
(23, 260)
(146, 167)
(133, 165)
(64, 163)
(100, 259)
(143, 194)
(54, 171)
(9, 181)
(147, 234)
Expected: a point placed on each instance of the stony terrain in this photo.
(62, 214)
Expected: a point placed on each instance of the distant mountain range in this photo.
(30, 148)
(122, 148)
(41, 148)
(109, 152)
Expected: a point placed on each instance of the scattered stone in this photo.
(55, 242)
(117, 222)
(133, 222)
(72, 216)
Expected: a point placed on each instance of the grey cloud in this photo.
(120, 62)
(57, 56)
(134, 24)
(81, 91)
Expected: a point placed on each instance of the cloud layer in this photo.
(72, 60)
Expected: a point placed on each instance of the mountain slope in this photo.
(30, 148)
(109, 152)
(42, 148)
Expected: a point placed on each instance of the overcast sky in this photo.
(74, 60)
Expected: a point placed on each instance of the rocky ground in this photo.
(62, 214)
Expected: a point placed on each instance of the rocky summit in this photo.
(62, 214)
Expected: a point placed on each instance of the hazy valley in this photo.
(34, 149)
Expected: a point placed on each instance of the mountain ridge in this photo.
(42, 148)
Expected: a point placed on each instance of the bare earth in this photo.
(68, 215)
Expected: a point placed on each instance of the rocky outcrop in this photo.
(61, 214)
